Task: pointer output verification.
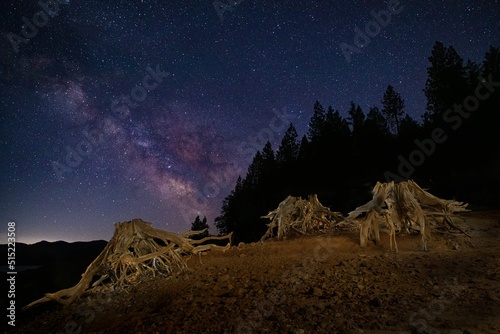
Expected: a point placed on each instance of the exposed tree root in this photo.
(300, 215)
(402, 206)
(135, 249)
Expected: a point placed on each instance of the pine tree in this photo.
(254, 172)
(489, 115)
(317, 122)
(376, 122)
(491, 64)
(472, 72)
(254, 196)
(289, 149)
(268, 153)
(409, 131)
(335, 125)
(446, 83)
(356, 120)
(393, 107)
(268, 180)
(199, 225)
(204, 223)
(303, 149)
(227, 221)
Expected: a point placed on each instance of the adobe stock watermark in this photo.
(29, 28)
(93, 138)
(11, 272)
(296, 277)
(139, 93)
(454, 117)
(420, 321)
(221, 7)
(278, 123)
(362, 39)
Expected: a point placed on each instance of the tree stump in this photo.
(403, 206)
(300, 215)
(135, 249)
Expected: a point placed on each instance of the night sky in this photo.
(114, 110)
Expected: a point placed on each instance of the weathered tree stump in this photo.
(135, 249)
(300, 215)
(402, 206)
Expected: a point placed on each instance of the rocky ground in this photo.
(316, 284)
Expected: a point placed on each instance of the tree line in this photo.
(452, 149)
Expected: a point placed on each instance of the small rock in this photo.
(310, 311)
(492, 297)
(395, 263)
(375, 325)
(324, 323)
(419, 328)
(223, 278)
(317, 292)
(376, 302)
(321, 306)
(272, 317)
(355, 331)
(298, 331)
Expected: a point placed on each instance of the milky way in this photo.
(145, 109)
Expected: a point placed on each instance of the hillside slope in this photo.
(315, 284)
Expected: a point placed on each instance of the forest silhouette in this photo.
(453, 149)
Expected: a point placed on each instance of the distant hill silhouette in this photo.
(61, 266)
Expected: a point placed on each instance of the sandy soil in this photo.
(315, 284)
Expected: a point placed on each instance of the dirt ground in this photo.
(316, 284)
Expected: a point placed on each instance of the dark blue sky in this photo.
(114, 110)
